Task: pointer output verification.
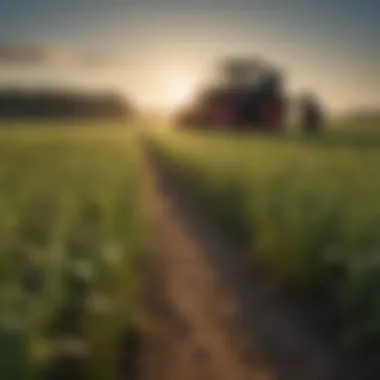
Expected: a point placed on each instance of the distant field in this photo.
(70, 241)
(307, 208)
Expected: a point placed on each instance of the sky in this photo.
(158, 52)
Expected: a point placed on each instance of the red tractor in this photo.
(248, 95)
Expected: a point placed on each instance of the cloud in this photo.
(52, 55)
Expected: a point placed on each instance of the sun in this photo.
(179, 91)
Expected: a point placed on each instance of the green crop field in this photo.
(307, 209)
(70, 242)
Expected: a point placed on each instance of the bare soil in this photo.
(209, 315)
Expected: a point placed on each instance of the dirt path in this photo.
(207, 317)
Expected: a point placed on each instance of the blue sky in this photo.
(163, 48)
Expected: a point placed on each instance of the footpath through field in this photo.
(209, 316)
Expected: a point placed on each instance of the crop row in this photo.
(308, 211)
(70, 243)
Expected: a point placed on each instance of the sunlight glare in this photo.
(179, 91)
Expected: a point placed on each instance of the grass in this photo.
(308, 209)
(70, 243)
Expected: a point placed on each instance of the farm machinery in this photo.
(246, 94)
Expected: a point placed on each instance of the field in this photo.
(307, 209)
(70, 232)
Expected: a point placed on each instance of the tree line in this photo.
(46, 103)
